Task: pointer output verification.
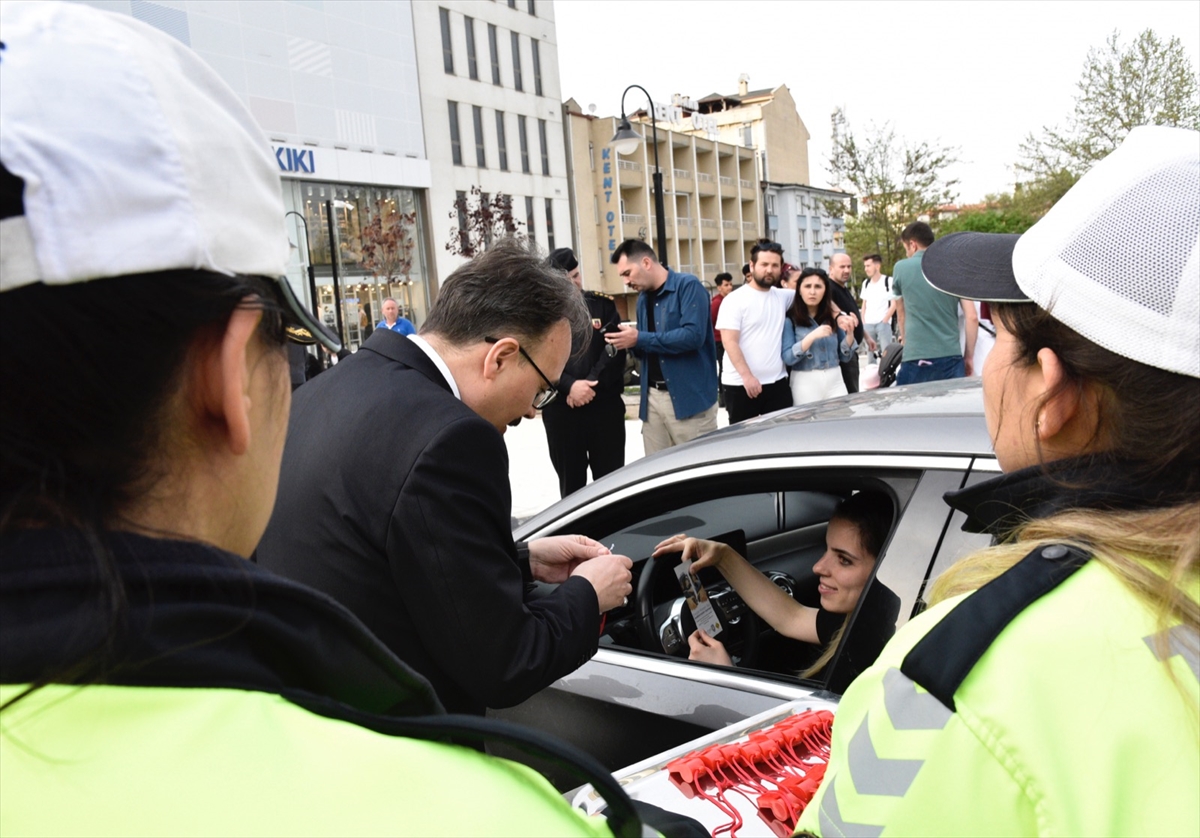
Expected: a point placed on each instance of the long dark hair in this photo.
(799, 311)
(87, 371)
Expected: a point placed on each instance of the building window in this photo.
(839, 240)
(472, 64)
(771, 203)
(592, 154)
(512, 4)
(537, 66)
(529, 218)
(516, 51)
(545, 150)
(549, 224)
(502, 141)
(477, 117)
(460, 204)
(455, 139)
(747, 135)
(800, 237)
(532, 8)
(524, 137)
(494, 52)
(447, 50)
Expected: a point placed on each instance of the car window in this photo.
(782, 516)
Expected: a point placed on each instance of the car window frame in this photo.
(595, 508)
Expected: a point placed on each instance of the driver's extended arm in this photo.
(782, 613)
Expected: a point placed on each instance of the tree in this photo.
(1147, 83)
(896, 181)
(990, 220)
(388, 242)
(481, 220)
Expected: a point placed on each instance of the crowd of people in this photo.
(223, 612)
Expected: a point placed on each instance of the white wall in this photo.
(438, 87)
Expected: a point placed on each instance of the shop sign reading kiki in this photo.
(295, 160)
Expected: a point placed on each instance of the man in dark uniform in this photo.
(586, 426)
(850, 317)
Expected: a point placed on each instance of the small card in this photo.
(697, 600)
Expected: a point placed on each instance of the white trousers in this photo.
(816, 385)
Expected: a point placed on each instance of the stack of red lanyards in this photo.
(777, 769)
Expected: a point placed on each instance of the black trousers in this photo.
(579, 437)
(775, 396)
(850, 374)
(720, 369)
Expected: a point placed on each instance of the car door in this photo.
(630, 701)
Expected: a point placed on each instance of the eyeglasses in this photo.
(546, 394)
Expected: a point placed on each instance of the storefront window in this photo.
(378, 247)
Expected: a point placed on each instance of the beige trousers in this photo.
(662, 430)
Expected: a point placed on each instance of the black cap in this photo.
(564, 259)
(974, 266)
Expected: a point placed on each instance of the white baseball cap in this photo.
(1117, 259)
(124, 153)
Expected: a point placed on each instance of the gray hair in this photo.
(508, 290)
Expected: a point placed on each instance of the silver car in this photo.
(771, 483)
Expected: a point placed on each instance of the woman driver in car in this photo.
(855, 536)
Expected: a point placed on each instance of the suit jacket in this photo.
(394, 499)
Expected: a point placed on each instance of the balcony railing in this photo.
(682, 174)
(727, 181)
(630, 218)
(708, 222)
(704, 177)
(746, 184)
(685, 269)
(683, 221)
(749, 226)
(727, 223)
(629, 165)
(710, 268)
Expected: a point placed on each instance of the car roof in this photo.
(941, 418)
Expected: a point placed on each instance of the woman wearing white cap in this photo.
(153, 681)
(1052, 686)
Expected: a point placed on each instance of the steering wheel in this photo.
(740, 639)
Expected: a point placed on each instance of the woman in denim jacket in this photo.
(813, 345)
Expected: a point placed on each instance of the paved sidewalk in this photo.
(534, 483)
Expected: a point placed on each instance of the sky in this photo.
(971, 75)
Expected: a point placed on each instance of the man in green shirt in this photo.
(929, 318)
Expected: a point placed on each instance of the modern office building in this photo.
(491, 98)
(710, 196)
(334, 87)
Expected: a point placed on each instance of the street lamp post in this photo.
(626, 141)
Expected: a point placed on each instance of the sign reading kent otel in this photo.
(295, 159)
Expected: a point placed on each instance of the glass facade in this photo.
(378, 247)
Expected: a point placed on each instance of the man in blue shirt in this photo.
(392, 319)
(674, 340)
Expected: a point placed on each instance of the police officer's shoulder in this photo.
(597, 295)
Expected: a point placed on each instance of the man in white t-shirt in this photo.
(878, 305)
(751, 325)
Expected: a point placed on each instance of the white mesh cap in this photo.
(134, 155)
(1118, 257)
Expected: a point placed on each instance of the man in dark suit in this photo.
(585, 425)
(417, 541)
